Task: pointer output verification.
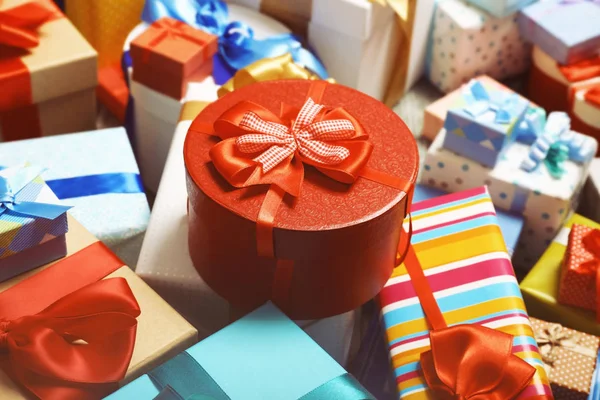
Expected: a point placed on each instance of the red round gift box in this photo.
(341, 238)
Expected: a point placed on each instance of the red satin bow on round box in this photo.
(297, 192)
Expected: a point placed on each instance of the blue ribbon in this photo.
(237, 46)
(530, 127)
(12, 181)
(481, 101)
(595, 387)
(91, 185)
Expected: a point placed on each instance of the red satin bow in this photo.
(18, 25)
(77, 345)
(593, 95)
(261, 148)
(591, 244)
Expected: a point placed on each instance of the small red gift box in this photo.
(578, 282)
(169, 53)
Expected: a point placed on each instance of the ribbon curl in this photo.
(13, 180)
(19, 25)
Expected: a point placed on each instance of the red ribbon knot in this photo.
(19, 25)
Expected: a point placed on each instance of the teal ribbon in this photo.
(480, 101)
(13, 180)
(183, 378)
(237, 46)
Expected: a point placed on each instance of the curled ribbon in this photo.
(553, 337)
(18, 25)
(481, 102)
(12, 181)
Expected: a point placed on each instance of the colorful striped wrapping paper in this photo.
(460, 247)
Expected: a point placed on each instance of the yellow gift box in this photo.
(540, 286)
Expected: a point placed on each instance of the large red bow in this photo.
(259, 147)
(77, 345)
(18, 25)
(474, 362)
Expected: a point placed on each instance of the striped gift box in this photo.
(460, 247)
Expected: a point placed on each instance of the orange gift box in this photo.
(170, 52)
(318, 238)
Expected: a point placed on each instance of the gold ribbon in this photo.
(191, 109)
(553, 337)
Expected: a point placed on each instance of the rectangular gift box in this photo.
(569, 357)
(540, 287)
(567, 31)
(584, 107)
(26, 242)
(161, 332)
(166, 266)
(471, 124)
(590, 197)
(31, 107)
(169, 54)
(96, 173)
(466, 42)
(459, 244)
(501, 8)
(269, 357)
(544, 202)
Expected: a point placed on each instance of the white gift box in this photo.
(544, 201)
(166, 266)
(117, 219)
(467, 42)
(156, 114)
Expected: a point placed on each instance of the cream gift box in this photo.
(156, 114)
(166, 266)
(466, 42)
(78, 167)
(544, 201)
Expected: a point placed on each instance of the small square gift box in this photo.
(33, 222)
(570, 359)
(39, 46)
(567, 30)
(541, 181)
(169, 54)
(83, 326)
(96, 173)
(271, 358)
(481, 122)
(540, 287)
(456, 294)
(466, 42)
(501, 8)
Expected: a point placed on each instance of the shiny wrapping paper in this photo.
(460, 247)
(570, 358)
(330, 231)
(29, 106)
(540, 287)
(161, 332)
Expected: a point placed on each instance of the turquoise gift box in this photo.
(501, 8)
(263, 355)
(96, 173)
(33, 222)
(481, 122)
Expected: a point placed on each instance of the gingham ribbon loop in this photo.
(276, 142)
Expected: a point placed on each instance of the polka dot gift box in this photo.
(466, 42)
(543, 199)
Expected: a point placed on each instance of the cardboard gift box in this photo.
(464, 263)
(299, 229)
(480, 124)
(540, 287)
(96, 173)
(165, 263)
(544, 200)
(569, 357)
(567, 31)
(33, 222)
(467, 42)
(501, 8)
(274, 359)
(170, 53)
(46, 49)
(100, 292)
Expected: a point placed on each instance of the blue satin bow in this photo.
(481, 101)
(237, 46)
(15, 179)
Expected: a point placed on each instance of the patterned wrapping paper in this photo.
(544, 201)
(117, 219)
(501, 8)
(466, 42)
(569, 356)
(460, 247)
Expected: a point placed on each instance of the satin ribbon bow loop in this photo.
(481, 101)
(474, 362)
(19, 25)
(591, 242)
